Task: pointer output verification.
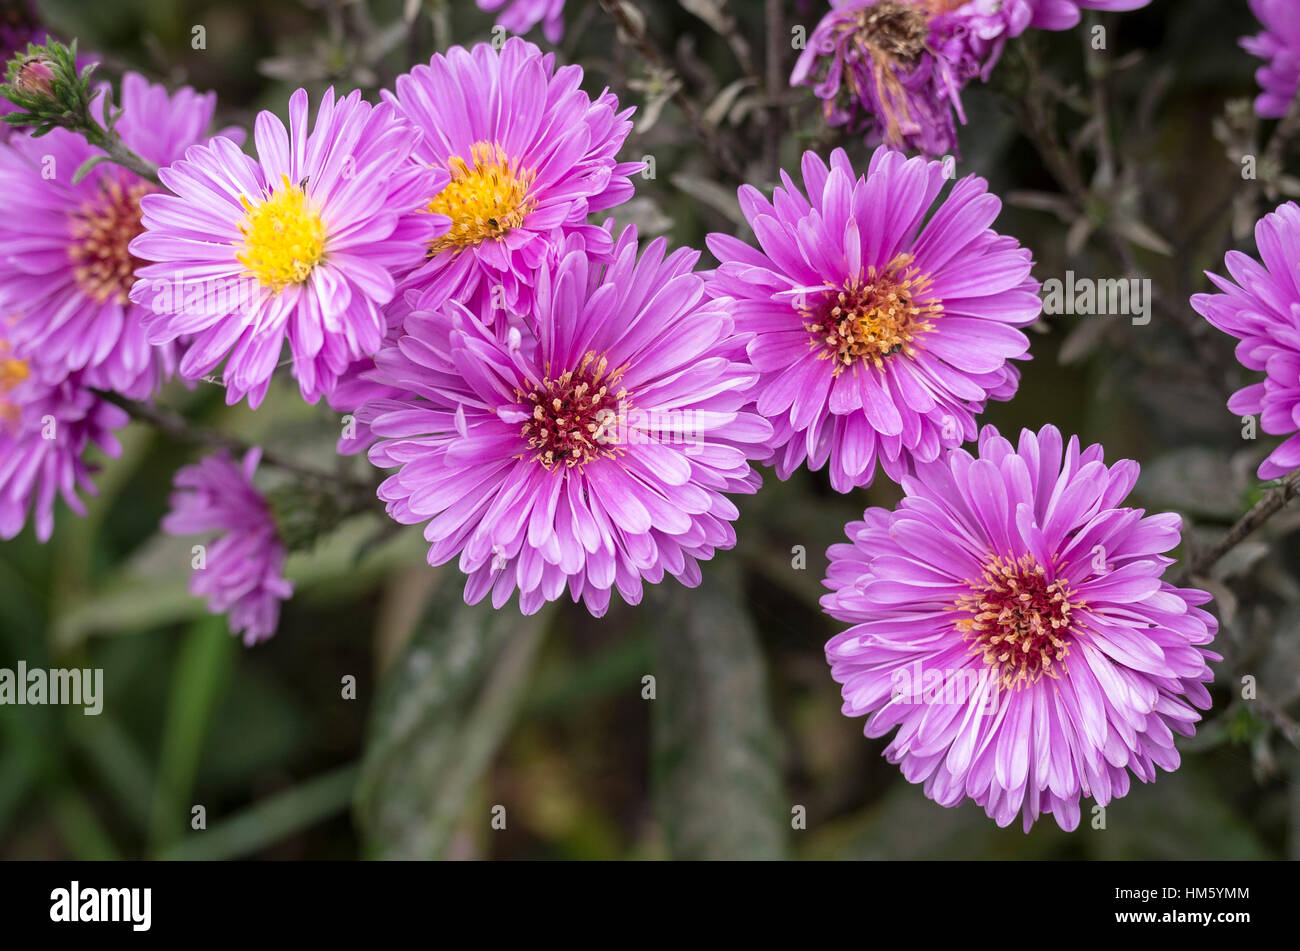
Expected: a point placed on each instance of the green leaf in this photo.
(199, 677)
(710, 193)
(440, 716)
(80, 827)
(270, 820)
(717, 781)
(86, 167)
(117, 761)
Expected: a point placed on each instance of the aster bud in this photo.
(44, 83)
(35, 75)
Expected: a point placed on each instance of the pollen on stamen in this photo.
(102, 229)
(1019, 622)
(284, 237)
(12, 372)
(575, 417)
(873, 317)
(485, 200)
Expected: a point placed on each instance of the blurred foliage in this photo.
(460, 709)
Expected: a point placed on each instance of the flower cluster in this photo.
(567, 411)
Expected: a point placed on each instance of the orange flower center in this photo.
(12, 372)
(485, 200)
(1018, 620)
(101, 230)
(872, 318)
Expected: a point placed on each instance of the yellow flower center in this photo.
(101, 230)
(486, 200)
(1017, 620)
(284, 237)
(12, 372)
(872, 318)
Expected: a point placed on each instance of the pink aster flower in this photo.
(299, 244)
(1010, 620)
(887, 67)
(529, 155)
(520, 16)
(1260, 306)
(894, 69)
(66, 267)
(242, 571)
(883, 319)
(1279, 46)
(597, 455)
(47, 423)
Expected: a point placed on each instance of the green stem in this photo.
(117, 151)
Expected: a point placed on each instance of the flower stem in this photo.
(1274, 501)
(359, 495)
(117, 151)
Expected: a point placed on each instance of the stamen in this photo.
(871, 319)
(101, 230)
(12, 372)
(485, 201)
(1019, 621)
(576, 416)
(284, 237)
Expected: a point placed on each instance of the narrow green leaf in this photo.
(442, 711)
(718, 786)
(270, 820)
(118, 761)
(88, 166)
(199, 677)
(81, 829)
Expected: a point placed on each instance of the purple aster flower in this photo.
(1279, 45)
(895, 68)
(529, 155)
(1009, 618)
(1260, 306)
(300, 243)
(520, 16)
(596, 455)
(242, 572)
(881, 323)
(887, 67)
(47, 422)
(65, 248)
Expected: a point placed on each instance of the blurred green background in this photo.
(459, 710)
